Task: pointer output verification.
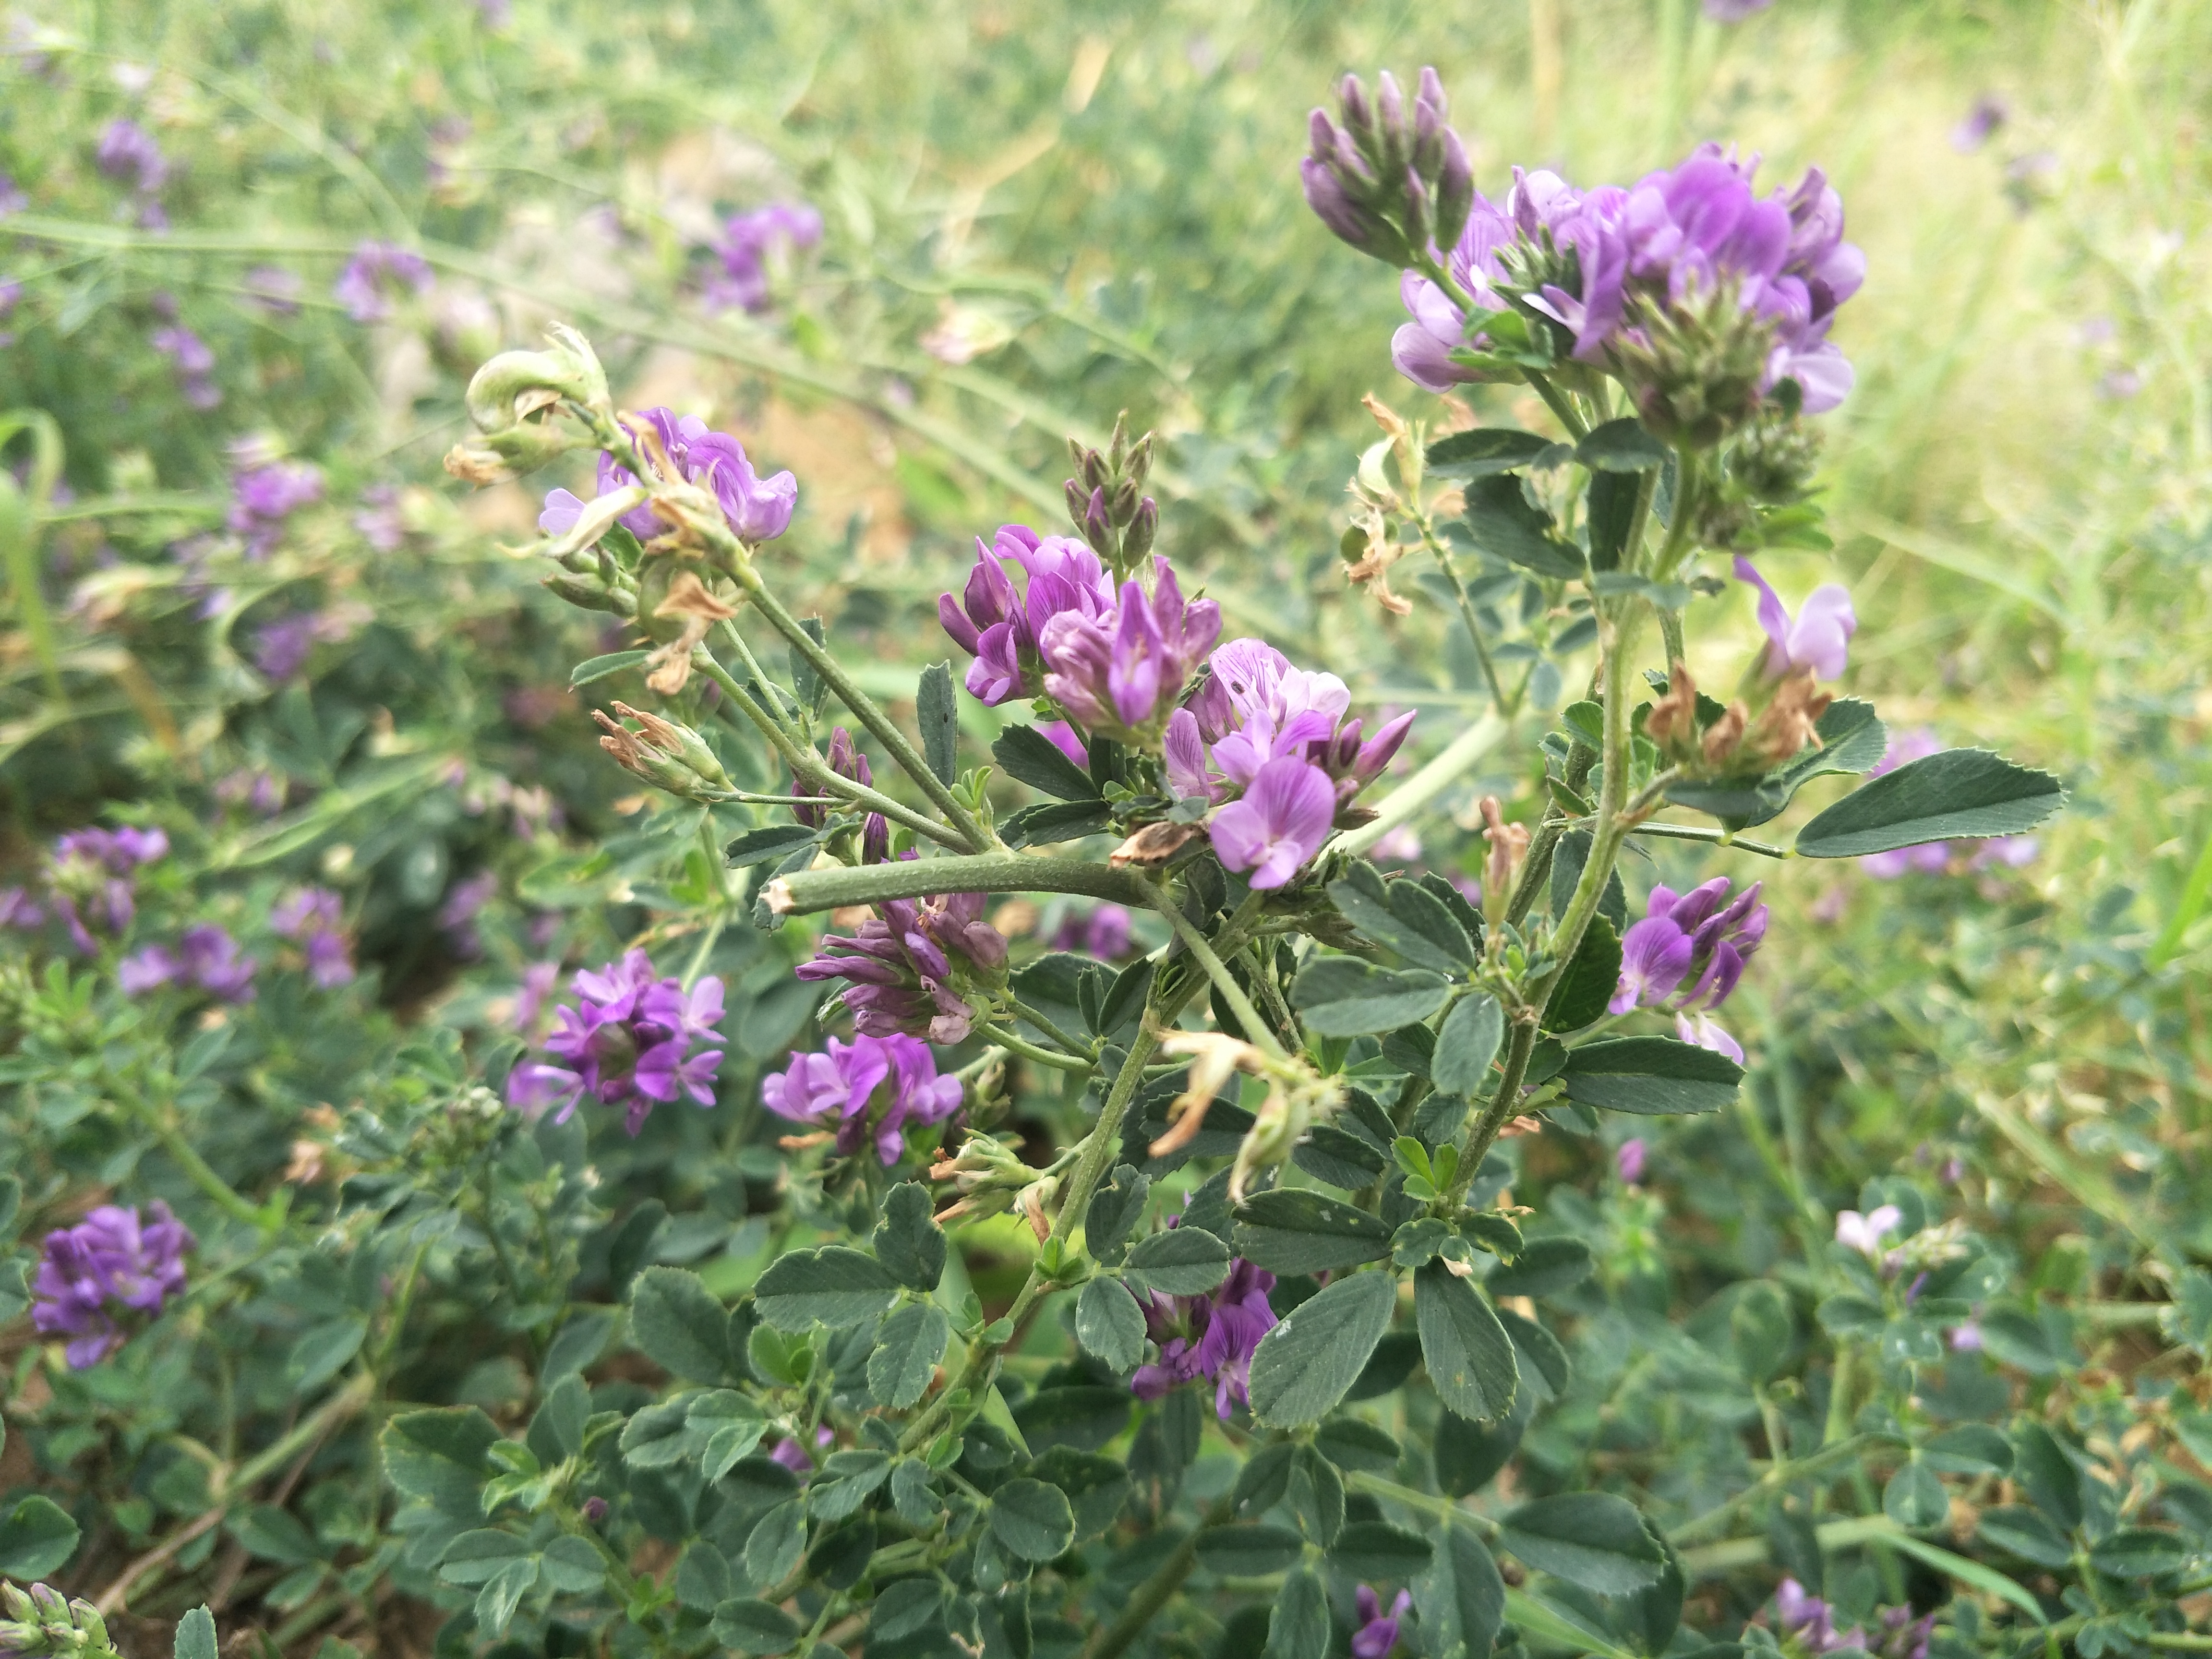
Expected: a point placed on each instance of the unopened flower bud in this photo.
(875, 839)
(1431, 94)
(1455, 190)
(1139, 466)
(1137, 539)
(1428, 143)
(1098, 525)
(1418, 223)
(1390, 124)
(589, 595)
(1358, 116)
(1117, 450)
(1123, 506)
(1321, 133)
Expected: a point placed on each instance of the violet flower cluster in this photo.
(871, 1089)
(757, 509)
(922, 968)
(1002, 625)
(752, 244)
(1807, 1625)
(1103, 932)
(377, 272)
(628, 1041)
(92, 884)
(1378, 1630)
(266, 490)
(128, 153)
(194, 362)
(1933, 858)
(205, 957)
(1212, 1336)
(312, 916)
(111, 1262)
(1698, 937)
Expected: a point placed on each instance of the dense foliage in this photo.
(1353, 1036)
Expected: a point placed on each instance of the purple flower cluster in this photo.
(1122, 672)
(1378, 1630)
(1002, 626)
(377, 271)
(194, 365)
(757, 509)
(1933, 858)
(110, 1261)
(751, 243)
(1214, 1336)
(1696, 936)
(265, 490)
(916, 967)
(313, 916)
(206, 957)
(127, 154)
(92, 882)
(869, 1089)
(273, 289)
(1103, 933)
(629, 1039)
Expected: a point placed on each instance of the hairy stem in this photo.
(1560, 405)
(1225, 982)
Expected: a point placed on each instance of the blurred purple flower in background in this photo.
(111, 1262)
(265, 490)
(378, 272)
(1981, 123)
(1103, 933)
(12, 199)
(313, 915)
(127, 154)
(868, 1090)
(280, 648)
(752, 244)
(194, 365)
(628, 1038)
(205, 957)
(273, 289)
(1734, 11)
(1800, 1614)
(93, 879)
(1629, 1160)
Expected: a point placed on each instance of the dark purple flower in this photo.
(1378, 1630)
(273, 289)
(1121, 673)
(205, 957)
(1103, 934)
(1816, 640)
(110, 1262)
(280, 648)
(265, 491)
(376, 271)
(1213, 1335)
(751, 243)
(846, 760)
(127, 154)
(1001, 625)
(1981, 121)
(1278, 824)
(630, 1038)
(1691, 936)
(195, 364)
(870, 1089)
(919, 968)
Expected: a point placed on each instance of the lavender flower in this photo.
(1734, 11)
(629, 1039)
(1211, 1336)
(280, 648)
(265, 490)
(1103, 933)
(19, 910)
(1693, 936)
(1120, 674)
(1002, 626)
(1278, 824)
(1989, 113)
(194, 365)
(1629, 1160)
(870, 1089)
(921, 969)
(1817, 641)
(1421, 350)
(1805, 1618)
(127, 154)
(273, 289)
(1254, 708)
(1378, 1630)
(751, 243)
(381, 522)
(757, 509)
(260, 792)
(312, 916)
(94, 879)
(205, 957)
(111, 1262)
(1866, 1233)
(12, 199)
(376, 271)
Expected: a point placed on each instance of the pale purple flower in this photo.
(380, 520)
(1421, 350)
(1065, 739)
(1278, 823)
(377, 271)
(758, 510)
(265, 490)
(1214, 1336)
(127, 154)
(1247, 676)
(273, 289)
(260, 792)
(111, 1262)
(1002, 624)
(869, 1090)
(1378, 1630)
(194, 365)
(1865, 1233)
(2007, 852)
(2119, 385)
(19, 910)
(1629, 1159)
(1103, 933)
(530, 998)
(12, 199)
(1801, 1615)
(313, 915)
(919, 968)
(205, 957)
(1967, 1338)
(1989, 113)
(629, 1039)
(1700, 937)
(1734, 11)
(280, 648)
(1121, 673)
(1816, 640)
(752, 244)
(1254, 708)
(1930, 858)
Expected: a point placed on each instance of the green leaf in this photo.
(1760, 1329)
(1590, 1539)
(1461, 1598)
(1503, 521)
(1353, 1443)
(1915, 1496)
(2040, 1464)
(747, 1625)
(1115, 1207)
(1096, 1487)
(270, 1533)
(1954, 795)
(1082, 1415)
(845, 1483)
(438, 1455)
(1343, 996)
(1026, 753)
(1032, 1519)
(1109, 1323)
(1299, 1626)
(323, 1350)
(1592, 976)
(1466, 1044)
(2014, 1339)
(906, 1608)
(834, 1286)
(1542, 1360)
(2023, 1531)
(679, 1324)
(1041, 826)
(908, 1243)
(1483, 452)
(1373, 1550)
(777, 1541)
(909, 1346)
(1181, 1262)
(1852, 741)
(573, 1566)
(769, 842)
(935, 713)
(1985, 1579)
(1972, 1449)
(2141, 1553)
(1544, 1266)
(1621, 446)
(1468, 1453)
(1316, 1352)
(1250, 1549)
(36, 1539)
(196, 1635)
(1406, 917)
(476, 1557)
(1611, 515)
(598, 668)
(1288, 1230)
(497, 1601)
(1469, 1357)
(1650, 1075)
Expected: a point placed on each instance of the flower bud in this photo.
(1123, 507)
(1359, 117)
(1390, 125)
(1455, 190)
(1431, 93)
(1096, 525)
(1137, 539)
(1417, 221)
(1321, 133)
(1428, 143)
(1139, 466)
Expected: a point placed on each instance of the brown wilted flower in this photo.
(1153, 844)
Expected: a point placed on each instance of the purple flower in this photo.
(19, 910)
(1001, 626)
(1065, 739)
(1691, 936)
(1212, 1336)
(1119, 673)
(12, 199)
(629, 1039)
(537, 985)
(1378, 1630)
(1103, 934)
(1806, 1617)
(758, 510)
(870, 1089)
(93, 879)
(280, 648)
(380, 520)
(1629, 1160)
(1930, 858)
(205, 957)
(110, 1262)
(265, 491)
(194, 362)
(375, 272)
(312, 916)
(127, 154)
(1734, 11)
(919, 968)
(1988, 113)
(1902, 1636)
(273, 289)
(1279, 822)
(846, 760)
(1422, 348)
(259, 792)
(1817, 641)
(750, 243)
(1255, 707)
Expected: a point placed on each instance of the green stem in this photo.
(1028, 1050)
(1225, 982)
(808, 891)
(1149, 1597)
(1561, 405)
(1046, 1025)
(1776, 1476)
(1443, 559)
(197, 1169)
(1713, 1560)
(1718, 837)
(1444, 1508)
